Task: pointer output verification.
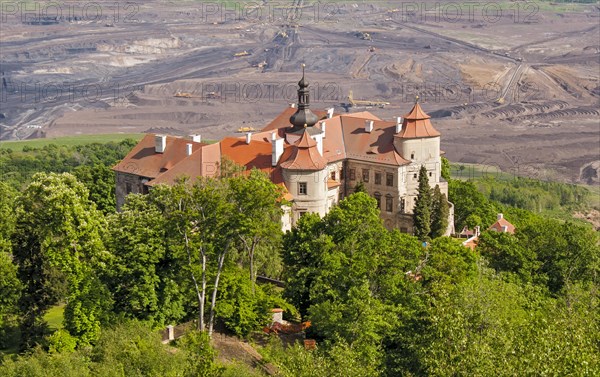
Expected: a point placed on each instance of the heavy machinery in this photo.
(355, 102)
(183, 95)
(243, 53)
(246, 129)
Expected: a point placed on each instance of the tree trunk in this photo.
(199, 294)
(203, 298)
(213, 302)
(252, 277)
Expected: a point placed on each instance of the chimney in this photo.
(160, 143)
(188, 149)
(248, 137)
(369, 125)
(477, 231)
(323, 128)
(196, 138)
(277, 148)
(398, 124)
(319, 140)
(500, 216)
(330, 113)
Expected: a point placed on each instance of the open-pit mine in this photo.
(512, 84)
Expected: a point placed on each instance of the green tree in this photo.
(301, 253)
(506, 253)
(258, 219)
(142, 276)
(422, 210)
(360, 187)
(241, 308)
(99, 179)
(58, 240)
(439, 213)
(10, 292)
(446, 169)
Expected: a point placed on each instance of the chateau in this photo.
(318, 157)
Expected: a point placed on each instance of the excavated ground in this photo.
(517, 88)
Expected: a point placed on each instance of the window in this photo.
(430, 174)
(389, 203)
(377, 178)
(128, 188)
(389, 180)
(415, 176)
(402, 205)
(365, 175)
(301, 213)
(145, 190)
(333, 175)
(404, 230)
(378, 198)
(352, 174)
(302, 189)
(412, 156)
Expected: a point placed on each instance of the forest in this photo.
(381, 303)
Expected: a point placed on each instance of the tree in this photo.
(422, 210)
(446, 169)
(143, 278)
(10, 291)
(439, 213)
(100, 182)
(258, 219)
(360, 187)
(507, 254)
(57, 241)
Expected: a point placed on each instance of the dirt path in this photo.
(232, 349)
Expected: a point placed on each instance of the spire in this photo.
(303, 83)
(303, 117)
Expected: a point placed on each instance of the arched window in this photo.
(389, 203)
(378, 198)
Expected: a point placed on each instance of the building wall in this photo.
(128, 183)
(315, 200)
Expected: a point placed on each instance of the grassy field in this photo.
(54, 317)
(68, 140)
(473, 171)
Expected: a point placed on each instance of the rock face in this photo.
(590, 173)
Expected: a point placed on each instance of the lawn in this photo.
(54, 317)
(68, 140)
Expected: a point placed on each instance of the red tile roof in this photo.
(202, 163)
(376, 146)
(416, 124)
(497, 226)
(304, 155)
(144, 161)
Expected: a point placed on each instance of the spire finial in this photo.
(416, 99)
(303, 83)
(305, 125)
